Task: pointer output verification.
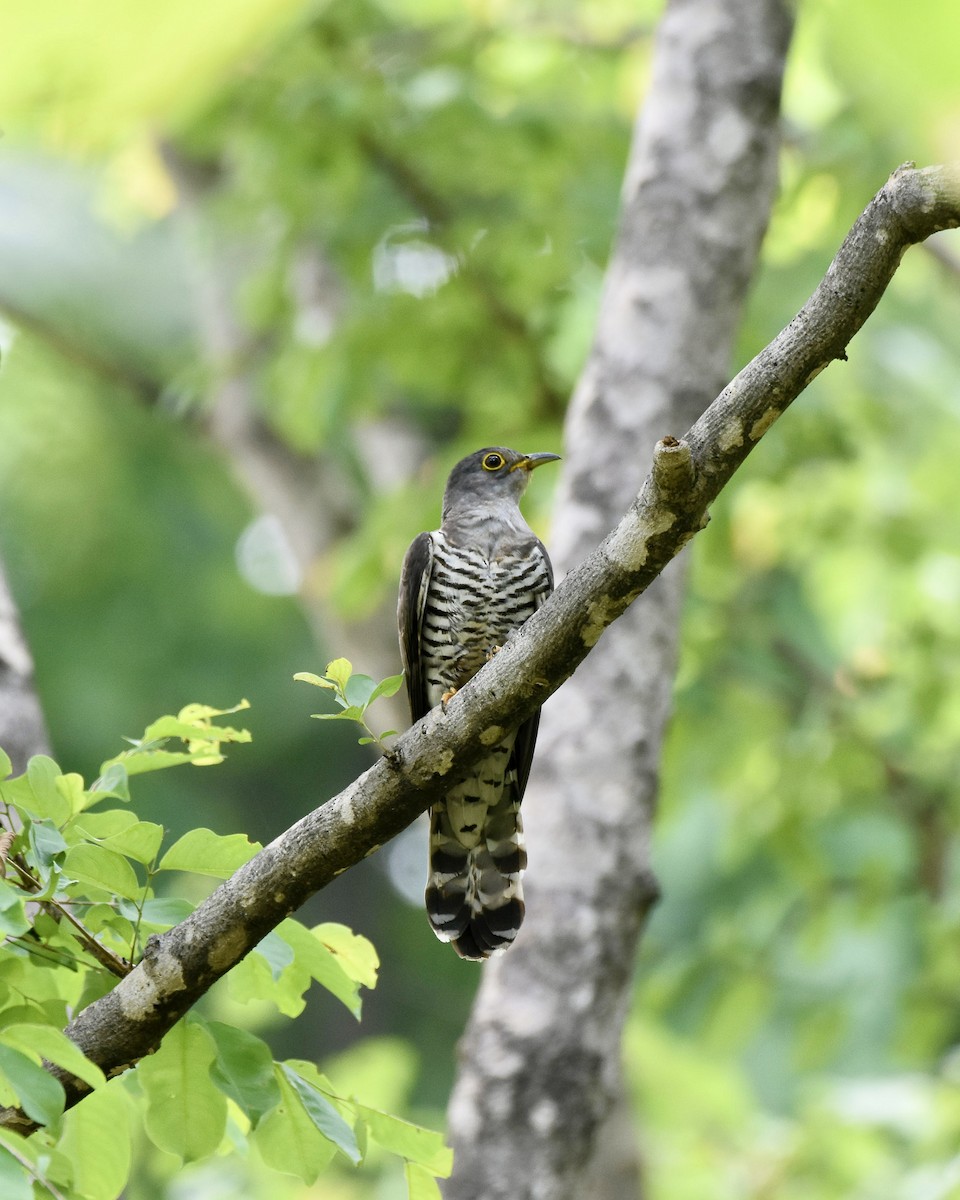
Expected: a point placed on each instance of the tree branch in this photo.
(180, 965)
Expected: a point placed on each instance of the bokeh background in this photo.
(267, 269)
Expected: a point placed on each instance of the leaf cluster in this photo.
(85, 883)
(354, 694)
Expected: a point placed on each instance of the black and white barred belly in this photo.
(473, 605)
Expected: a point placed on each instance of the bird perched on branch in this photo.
(464, 590)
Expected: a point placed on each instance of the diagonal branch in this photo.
(685, 478)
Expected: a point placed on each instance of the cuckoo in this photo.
(464, 590)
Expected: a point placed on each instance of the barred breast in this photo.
(473, 605)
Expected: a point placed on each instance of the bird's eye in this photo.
(492, 462)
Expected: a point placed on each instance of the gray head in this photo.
(489, 477)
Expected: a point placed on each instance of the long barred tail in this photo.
(474, 897)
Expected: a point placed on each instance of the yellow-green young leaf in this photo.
(320, 963)
(289, 1141)
(70, 788)
(53, 1044)
(339, 671)
(412, 1142)
(186, 1114)
(139, 762)
(96, 1137)
(41, 1096)
(316, 680)
(350, 713)
(6, 766)
(102, 868)
(207, 853)
(354, 953)
(421, 1185)
(253, 979)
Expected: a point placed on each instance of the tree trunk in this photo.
(534, 1110)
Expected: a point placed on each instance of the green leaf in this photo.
(339, 670)
(101, 868)
(99, 917)
(252, 979)
(207, 853)
(113, 781)
(316, 680)
(412, 1142)
(13, 919)
(421, 1184)
(277, 952)
(6, 766)
(244, 1069)
(288, 1138)
(96, 1138)
(41, 1096)
(359, 690)
(16, 1183)
(321, 963)
(53, 1043)
(387, 687)
(104, 824)
(351, 713)
(46, 842)
(141, 842)
(44, 775)
(354, 953)
(139, 762)
(118, 829)
(70, 788)
(323, 1114)
(186, 1113)
(36, 791)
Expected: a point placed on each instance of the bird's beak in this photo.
(530, 461)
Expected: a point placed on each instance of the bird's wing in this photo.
(414, 582)
(526, 739)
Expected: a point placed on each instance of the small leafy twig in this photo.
(53, 907)
(354, 694)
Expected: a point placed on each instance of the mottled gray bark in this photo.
(686, 476)
(22, 729)
(538, 1109)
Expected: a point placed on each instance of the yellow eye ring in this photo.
(492, 462)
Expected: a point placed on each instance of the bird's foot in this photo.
(492, 651)
(448, 695)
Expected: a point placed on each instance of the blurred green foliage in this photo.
(409, 205)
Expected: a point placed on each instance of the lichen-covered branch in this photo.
(180, 965)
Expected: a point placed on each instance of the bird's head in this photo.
(491, 476)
